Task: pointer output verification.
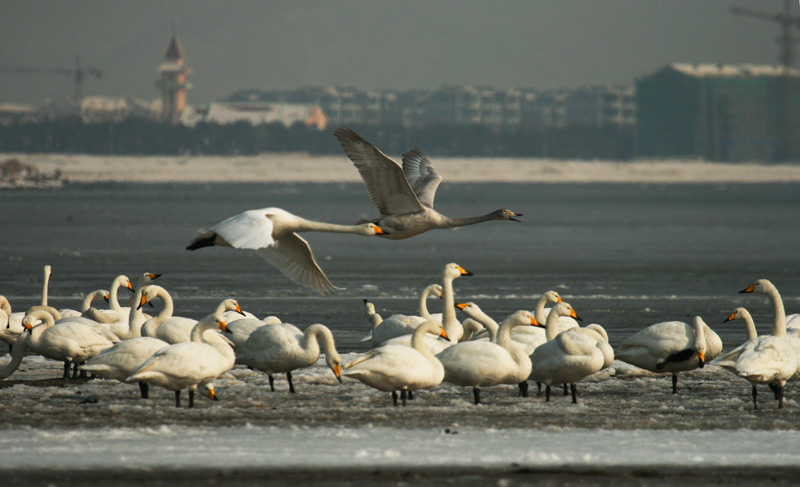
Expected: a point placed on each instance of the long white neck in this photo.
(87, 301)
(504, 331)
(418, 339)
(779, 313)
(315, 226)
(538, 312)
(45, 284)
(35, 334)
(551, 325)
(699, 333)
(5, 305)
(113, 293)
(448, 222)
(136, 316)
(487, 322)
(450, 324)
(199, 335)
(748, 323)
(151, 326)
(423, 301)
(312, 337)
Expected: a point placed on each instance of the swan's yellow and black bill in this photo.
(106, 297)
(464, 272)
(731, 317)
(534, 322)
(461, 305)
(223, 326)
(748, 289)
(142, 302)
(443, 333)
(152, 276)
(337, 371)
(514, 219)
(211, 393)
(380, 231)
(572, 314)
(239, 310)
(701, 356)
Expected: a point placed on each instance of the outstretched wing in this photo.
(292, 256)
(421, 175)
(251, 229)
(386, 184)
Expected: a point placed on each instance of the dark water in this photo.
(624, 255)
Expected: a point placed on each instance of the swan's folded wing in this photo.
(292, 256)
(251, 229)
(421, 175)
(386, 184)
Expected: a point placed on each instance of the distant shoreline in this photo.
(298, 168)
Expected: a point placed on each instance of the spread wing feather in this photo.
(421, 175)
(292, 256)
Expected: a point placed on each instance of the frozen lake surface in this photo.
(624, 255)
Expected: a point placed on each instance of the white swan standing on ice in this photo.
(72, 343)
(671, 346)
(567, 357)
(399, 324)
(284, 348)
(188, 365)
(393, 368)
(766, 359)
(479, 364)
(272, 232)
(404, 195)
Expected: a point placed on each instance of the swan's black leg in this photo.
(547, 393)
(410, 395)
(191, 398)
(780, 396)
(291, 386)
(66, 371)
(271, 382)
(75, 370)
(566, 391)
(178, 398)
(523, 389)
(674, 383)
(774, 388)
(394, 398)
(144, 390)
(755, 398)
(538, 388)
(574, 389)
(476, 392)
(403, 397)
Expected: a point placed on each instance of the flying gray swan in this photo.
(404, 195)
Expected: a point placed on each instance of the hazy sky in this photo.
(371, 43)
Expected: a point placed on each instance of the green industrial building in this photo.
(718, 112)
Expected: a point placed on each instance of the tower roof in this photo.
(174, 52)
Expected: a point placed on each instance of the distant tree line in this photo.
(143, 137)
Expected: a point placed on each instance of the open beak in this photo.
(514, 219)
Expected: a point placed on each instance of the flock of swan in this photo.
(409, 352)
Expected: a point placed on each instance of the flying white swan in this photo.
(671, 346)
(567, 357)
(399, 324)
(72, 343)
(404, 195)
(393, 368)
(479, 364)
(272, 232)
(284, 348)
(766, 359)
(188, 365)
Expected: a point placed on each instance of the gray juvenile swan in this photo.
(272, 232)
(404, 195)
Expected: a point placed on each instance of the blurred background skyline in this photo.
(370, 44)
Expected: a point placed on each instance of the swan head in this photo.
(470, 309)
(506, 214)
(370, 307)
(552, 297)
(371, 230)
(760, 286)
(211, 393)
(453, 270)
(523, 318)
(737, 313)
(148, 294)
(436, 290)
(565, 309)
(334, 362)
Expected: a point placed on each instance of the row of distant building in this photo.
(710, 111)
